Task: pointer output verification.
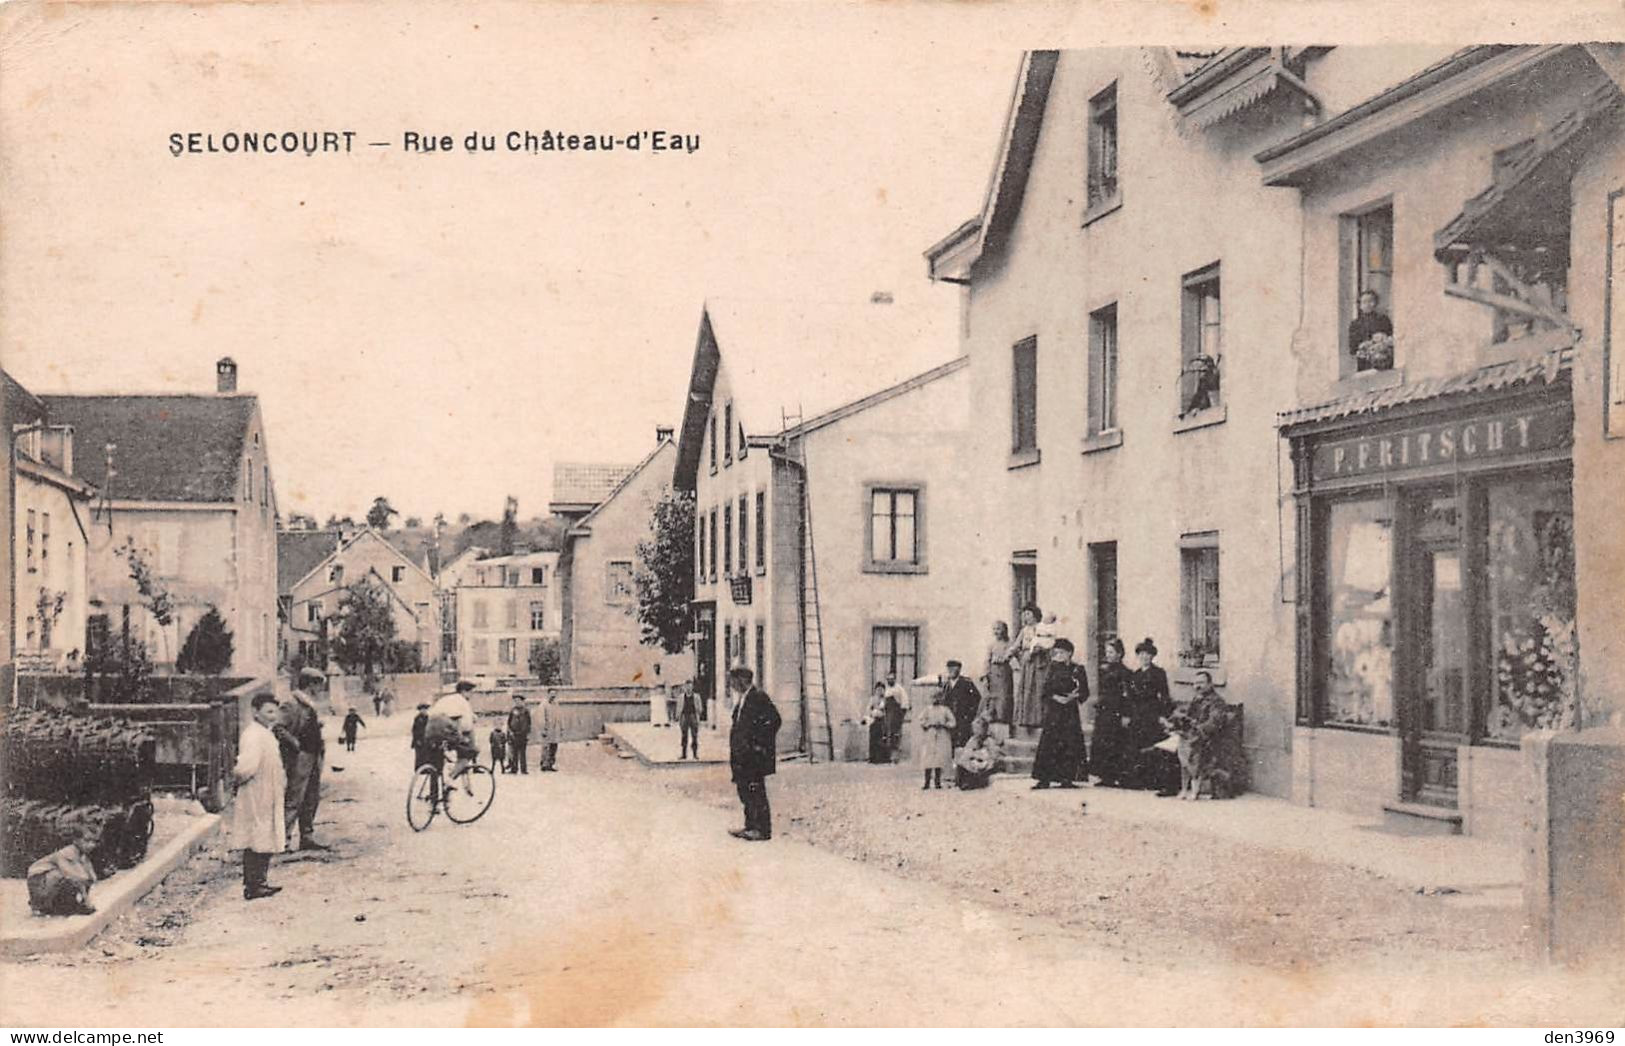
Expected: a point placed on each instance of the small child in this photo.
(499, 750)
(978, 759)
(351, 721)
(1045, 631)
(937, 743)
(59, 883)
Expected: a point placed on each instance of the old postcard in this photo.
(715, 515)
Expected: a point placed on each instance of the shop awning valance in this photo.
(1540, 369)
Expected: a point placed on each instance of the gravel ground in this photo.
(1153, 894)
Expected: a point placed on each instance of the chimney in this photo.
(880, 298)
(225, 373)
(664, 433)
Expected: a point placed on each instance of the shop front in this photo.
(1436, 595)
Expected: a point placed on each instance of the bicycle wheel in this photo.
(468, 806)
(420, 798)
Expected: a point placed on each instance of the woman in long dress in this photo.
(1032, 649)
(1148, 703)
(1111, 757)
(998, 683)
(1060, 756)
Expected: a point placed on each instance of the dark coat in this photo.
(1148, 702)
(1060, 755)
(963, 700)
(1111, 757)
(753, 738)
(418, 725)
(519, 724)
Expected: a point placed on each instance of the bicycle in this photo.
(464, 798)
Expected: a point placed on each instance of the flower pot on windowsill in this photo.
(1375, 353)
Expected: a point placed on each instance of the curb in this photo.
(29, 934)
(624, 743)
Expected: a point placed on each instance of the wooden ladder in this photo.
(817, 726)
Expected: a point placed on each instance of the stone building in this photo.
(329, 562)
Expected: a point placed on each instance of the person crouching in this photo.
(59, 883)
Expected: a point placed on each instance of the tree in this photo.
(363, 630)
(665, 572)
(547, 661)
(207, 650)
(403, 657)
(412, 523)
(464, 519)
(381, 513)
(510, 526)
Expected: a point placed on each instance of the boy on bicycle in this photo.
(451, 725)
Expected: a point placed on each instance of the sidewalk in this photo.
(24, 933)
(1482, 872)
(661, 746)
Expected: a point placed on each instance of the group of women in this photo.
(1129, 703)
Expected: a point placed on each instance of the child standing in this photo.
(499, 750)
(936, 744)
(347, 731)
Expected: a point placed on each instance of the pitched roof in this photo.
(1543, 368)
(21, 406)
(412, 544)
(298, 552)
(168, 447)
(576, 483)
(584, 525)
(1188, 61)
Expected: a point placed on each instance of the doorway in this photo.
(1434, 639)
(1103, 581)
(1023, 586)
(705, 656)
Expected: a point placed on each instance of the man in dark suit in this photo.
(963, 700)
(419, 749)
(752, 745)
(518, 735)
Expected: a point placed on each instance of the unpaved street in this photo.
(602, 895)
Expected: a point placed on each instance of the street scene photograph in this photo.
(655, 516)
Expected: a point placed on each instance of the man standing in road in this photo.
(299, 732)
(549, 732)
(752, 746)
(896, 706)
(518, 735)
(688, 721)
(963, 699)
(256, 816)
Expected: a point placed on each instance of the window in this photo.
(512, 580)
(248, 479)
(744, 533)
(313, 612)
(33, 519)
(397, 574)
(1368, 268)
(1024, 398)
(1199, 600)
(1103, 185)
(1359, 614)
(534, 653)
(480, 618)
(511, 613)
(895, 649)
(699, 547)
(761, 531)
(711, 552)
(1531, 604)
(335, 574)
(307, 651)
(422, 613)
(727, 540)
(744, 448)
(482, 652)
(1103, 370)
(713, 442)
(727, 433)
(1202, 359)
(28, 632)
(538, 615)
(894, 526)
(538, 575)
(727, 645)
(45, 541)
(508, 651)
(761, 655)
(618, 582)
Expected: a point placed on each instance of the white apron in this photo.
(256, 816)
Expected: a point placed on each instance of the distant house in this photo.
(331, 564)
(600, 630)
(832, 518)
(504, 607)
(50, 537)
(187, 480)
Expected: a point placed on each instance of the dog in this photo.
(1199, 775)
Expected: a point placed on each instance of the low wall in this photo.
(346, 692)
(580, 711)
(60, 690)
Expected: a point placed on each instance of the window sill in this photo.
(1356, 728)
(761, 570)
(1370, 380)
(1020, 459)
(1107, 206)
(1103, 441)
(1202, 418)
(881, 567)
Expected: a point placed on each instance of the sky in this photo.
(441, 329)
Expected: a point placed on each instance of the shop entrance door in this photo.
(705, 656)
(1432, 683)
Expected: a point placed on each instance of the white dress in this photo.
(256, 816)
